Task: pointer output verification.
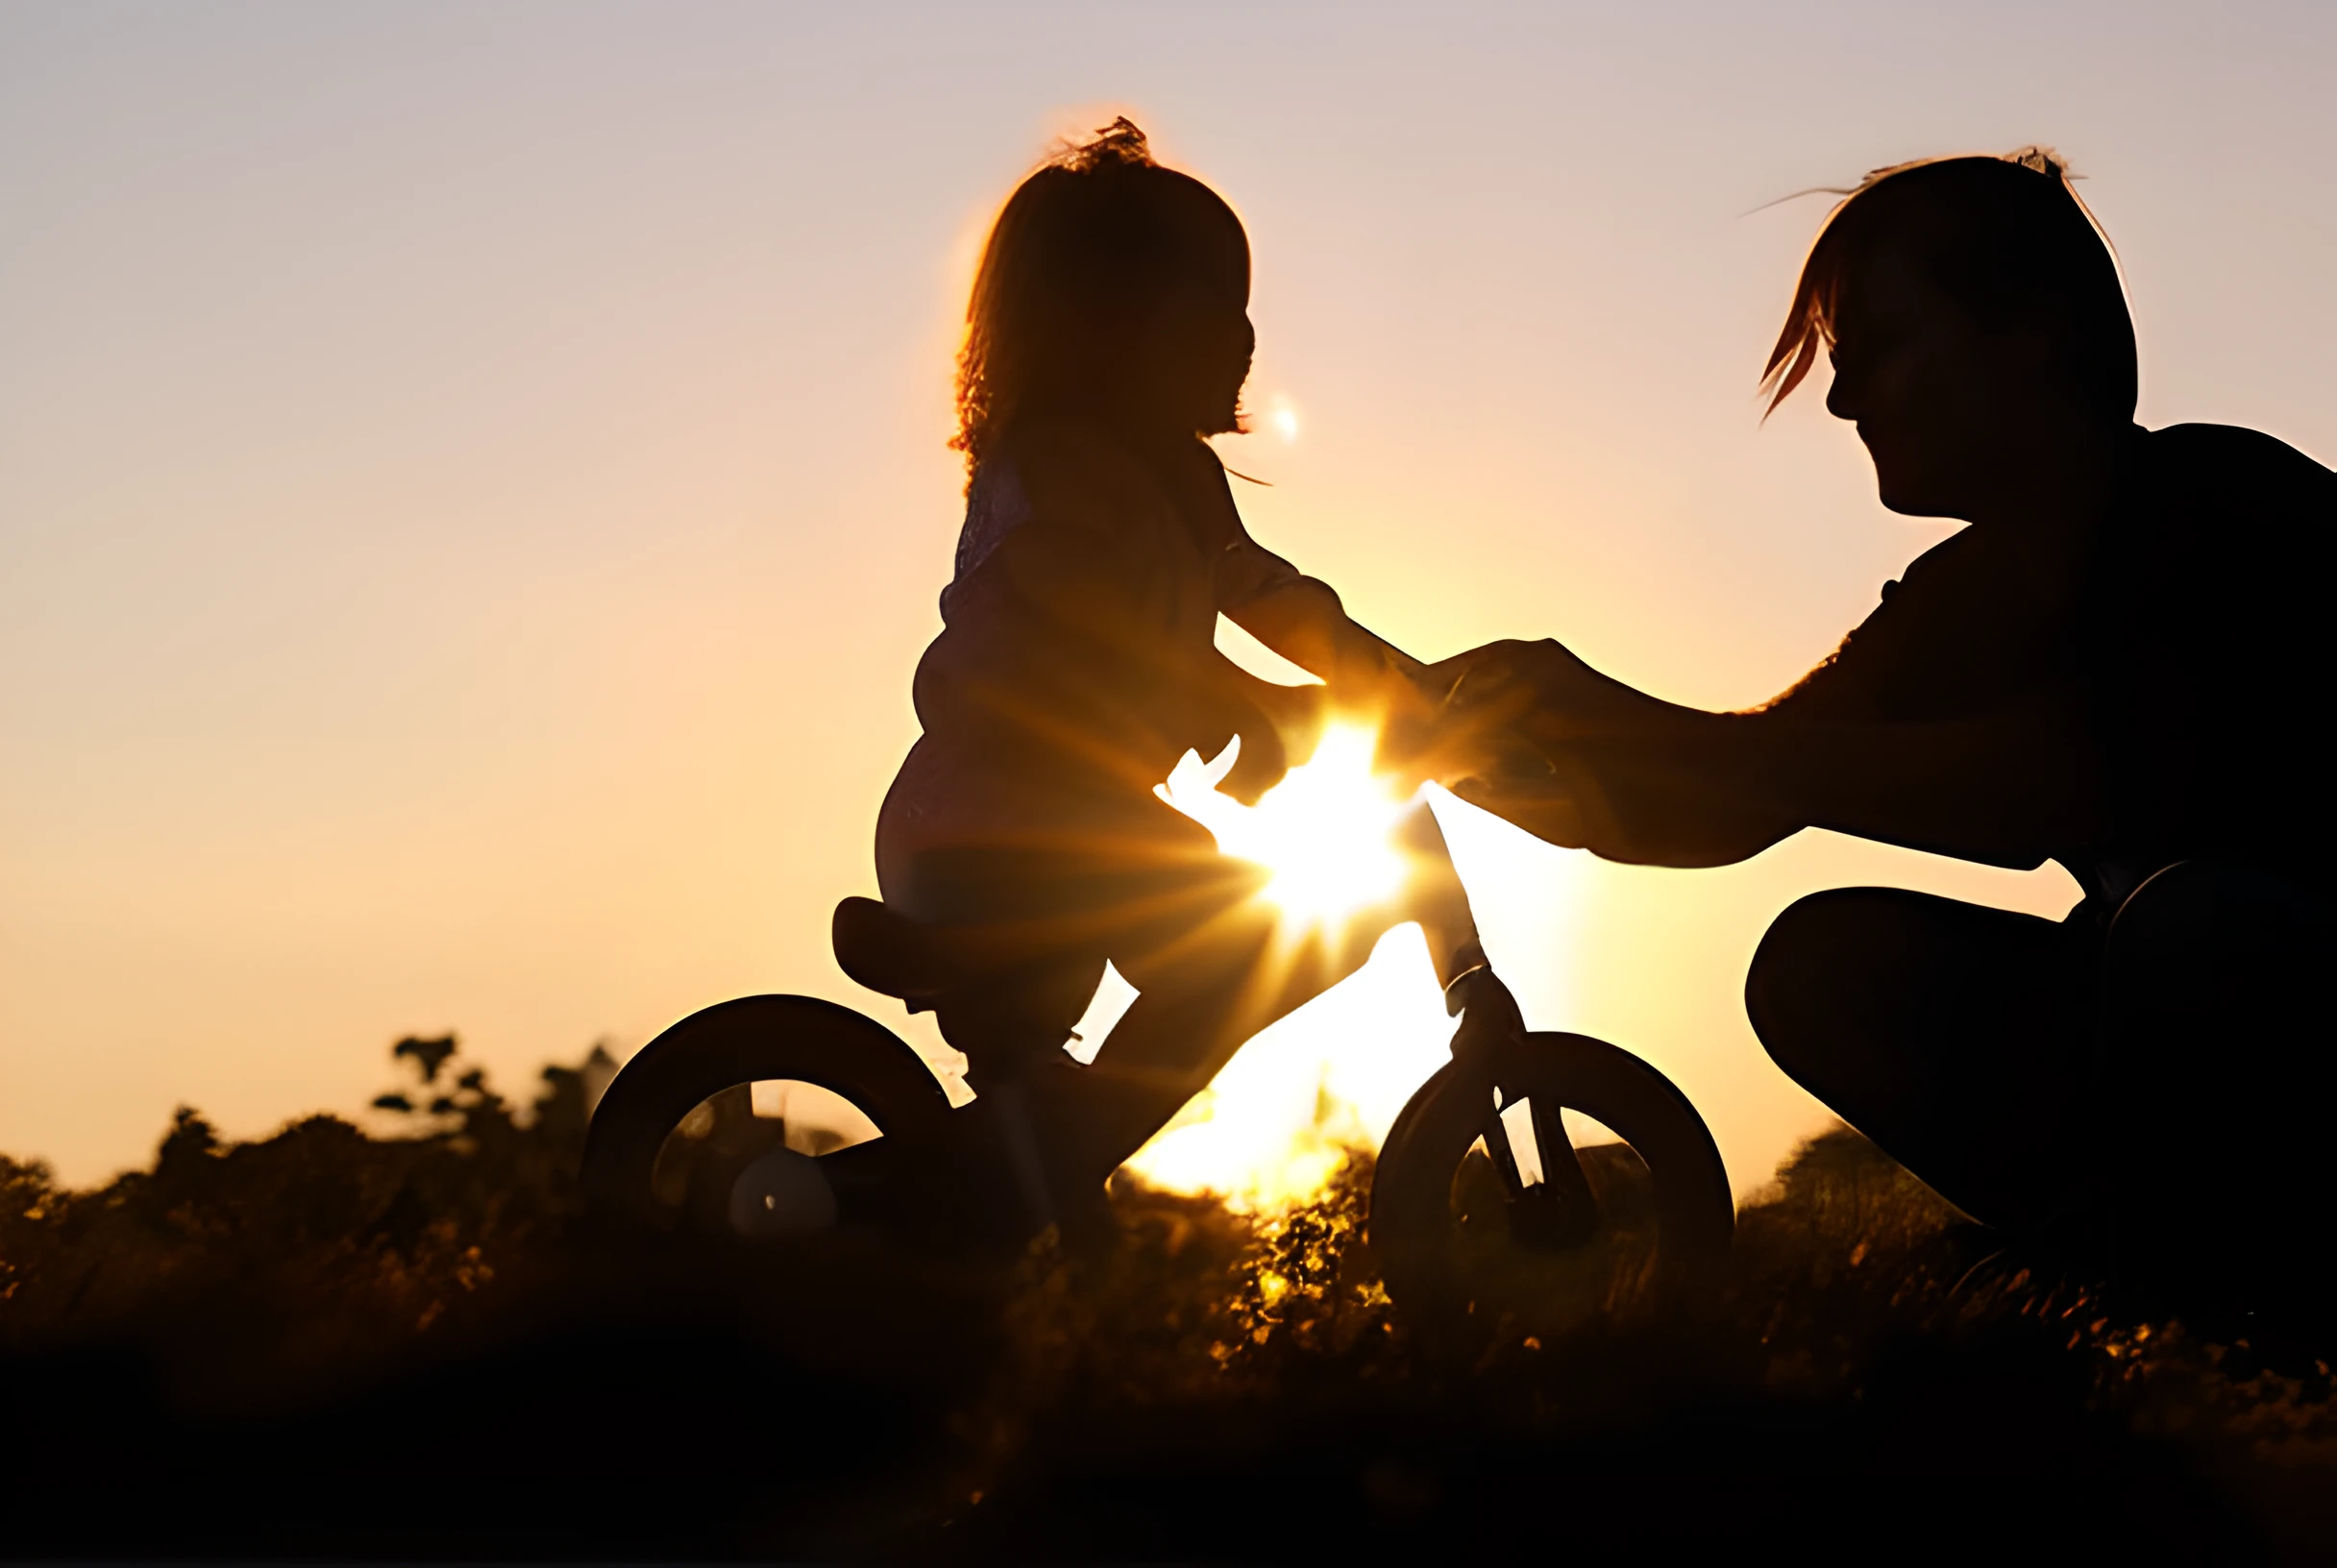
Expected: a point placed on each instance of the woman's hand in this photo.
(1493, 713)
(1547, 690)
(1534, 735)
(1426, 737)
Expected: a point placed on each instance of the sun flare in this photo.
(1275, 1124)
(1324, 831)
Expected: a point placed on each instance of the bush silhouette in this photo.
(331, 1343)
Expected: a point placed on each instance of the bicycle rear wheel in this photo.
(726, 1047)
(1664, 1230)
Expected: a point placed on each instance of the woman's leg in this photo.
(1956, 1036)
(2219, 1086)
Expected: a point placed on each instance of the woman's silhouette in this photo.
(2119, 665)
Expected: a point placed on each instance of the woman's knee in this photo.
(1853, 989)
(1793, 983)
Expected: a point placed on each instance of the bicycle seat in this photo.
(886, 952)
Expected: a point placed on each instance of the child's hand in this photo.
(1279, 726)
(1298, 714)
(1257, 766)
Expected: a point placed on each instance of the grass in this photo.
(326, 1343)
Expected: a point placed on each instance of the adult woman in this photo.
(2109, 668)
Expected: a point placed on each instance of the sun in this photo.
(1332, 1076)
(1326, 831)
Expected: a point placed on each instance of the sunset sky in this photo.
(473, 486)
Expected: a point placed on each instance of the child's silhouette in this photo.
(1108, 334)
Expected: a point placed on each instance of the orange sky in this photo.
(472, 487)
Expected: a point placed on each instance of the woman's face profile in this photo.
(1957, 412)
(1910, 372)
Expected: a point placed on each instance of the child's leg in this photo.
(1218, 973)
(1160, 1054)
(1213, 960)
(1203, 995)
(1193, 1013)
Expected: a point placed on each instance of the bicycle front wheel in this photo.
(1664, 1219)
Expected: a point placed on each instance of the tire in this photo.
(1414, 1231)
(744, 1042)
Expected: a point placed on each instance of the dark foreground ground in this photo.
(328, 1345)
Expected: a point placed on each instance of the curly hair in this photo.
(2000, 237)
(1087, 233)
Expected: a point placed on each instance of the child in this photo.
(1108, 334)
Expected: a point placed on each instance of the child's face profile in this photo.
(1193, 343)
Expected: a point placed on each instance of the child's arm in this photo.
(1302, 619)
(1364, 675)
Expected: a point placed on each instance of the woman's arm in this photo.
(2003, 788)
(1609, 769)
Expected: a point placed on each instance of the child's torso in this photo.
(1078, 625)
